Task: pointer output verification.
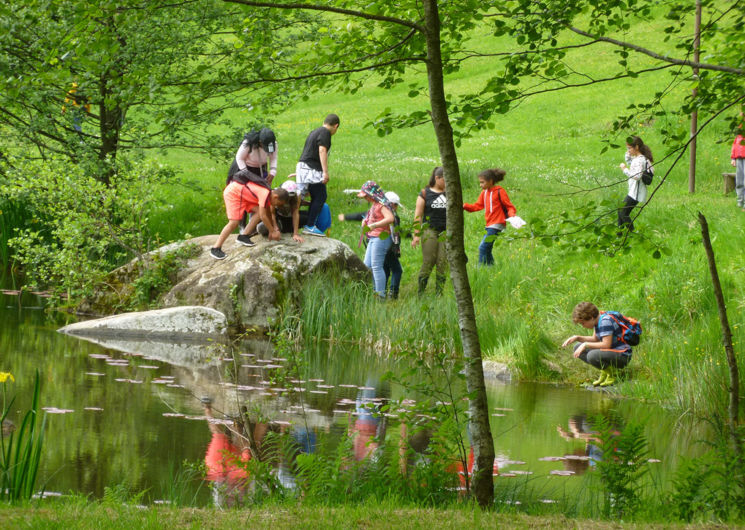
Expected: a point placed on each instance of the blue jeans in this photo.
(485, 255)
(375, 258)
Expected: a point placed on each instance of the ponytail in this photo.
(641, 146)
(494, 175)
(436, 172)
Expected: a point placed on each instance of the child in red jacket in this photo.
(497, 208)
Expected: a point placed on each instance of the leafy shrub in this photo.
(159, 274)
(80, 227)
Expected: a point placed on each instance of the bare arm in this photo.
(418, 217)
(591, 343)
(323, 155)
(387, 219)
(296, 221)
(267, 216)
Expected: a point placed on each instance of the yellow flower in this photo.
(4, 376)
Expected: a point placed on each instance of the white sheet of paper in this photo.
(516, 222)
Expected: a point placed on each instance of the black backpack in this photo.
(647, 174)
(252, 138)
(244, 176)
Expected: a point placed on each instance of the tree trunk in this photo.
(109, 128)
(483, 443)
(694, 114)
(734, 375)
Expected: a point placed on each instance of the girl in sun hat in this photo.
(376, 227)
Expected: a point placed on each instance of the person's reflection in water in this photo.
(304, 441)
(227, 457)
(368, 430)
(580, 429)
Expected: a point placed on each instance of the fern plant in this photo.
(622, 467)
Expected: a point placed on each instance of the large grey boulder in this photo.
(184, 323)
(248, 287)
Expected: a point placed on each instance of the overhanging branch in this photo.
(331, 9)
(655, 55)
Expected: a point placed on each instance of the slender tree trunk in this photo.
(694, 114)
(109, 133)
(734, 375)
(483, 443)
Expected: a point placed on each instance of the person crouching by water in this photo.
(378, 221)
(639, 157)
(605, 348)
(240, 198)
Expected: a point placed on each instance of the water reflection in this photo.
(578, 461)
(368, 430)
(137, 410)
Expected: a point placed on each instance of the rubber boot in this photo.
(609, 380)
(422, 284)
(439, 284)
(600, 380)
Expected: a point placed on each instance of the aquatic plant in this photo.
(623, 464)
(20, 451)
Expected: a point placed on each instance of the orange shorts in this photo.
(240, 198)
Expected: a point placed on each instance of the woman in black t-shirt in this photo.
(429, 221)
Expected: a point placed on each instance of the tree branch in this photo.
(330, 9)
(667, 59)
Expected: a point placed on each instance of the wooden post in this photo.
(729, 350)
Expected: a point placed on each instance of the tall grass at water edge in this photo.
(12, 216)
(523, 307)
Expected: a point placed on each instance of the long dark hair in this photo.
(251, 139)
(643, 148)
(494, 175)
(436, 172)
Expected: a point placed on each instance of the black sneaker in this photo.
(217, 253)
(245, 240)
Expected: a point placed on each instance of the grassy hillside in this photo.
(550, 146)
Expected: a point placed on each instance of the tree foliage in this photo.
(87, 80)
(78, 226)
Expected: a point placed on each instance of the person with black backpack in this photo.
(609, 347)
(638, 168)
(246, 193)
(257, 154)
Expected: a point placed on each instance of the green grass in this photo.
(551, 148)
(83, 514)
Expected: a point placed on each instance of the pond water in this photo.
(131, 413)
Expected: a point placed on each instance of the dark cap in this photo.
(268, 140)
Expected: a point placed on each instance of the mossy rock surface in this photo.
(248, 287)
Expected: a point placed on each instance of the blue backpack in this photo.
(631, 329)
